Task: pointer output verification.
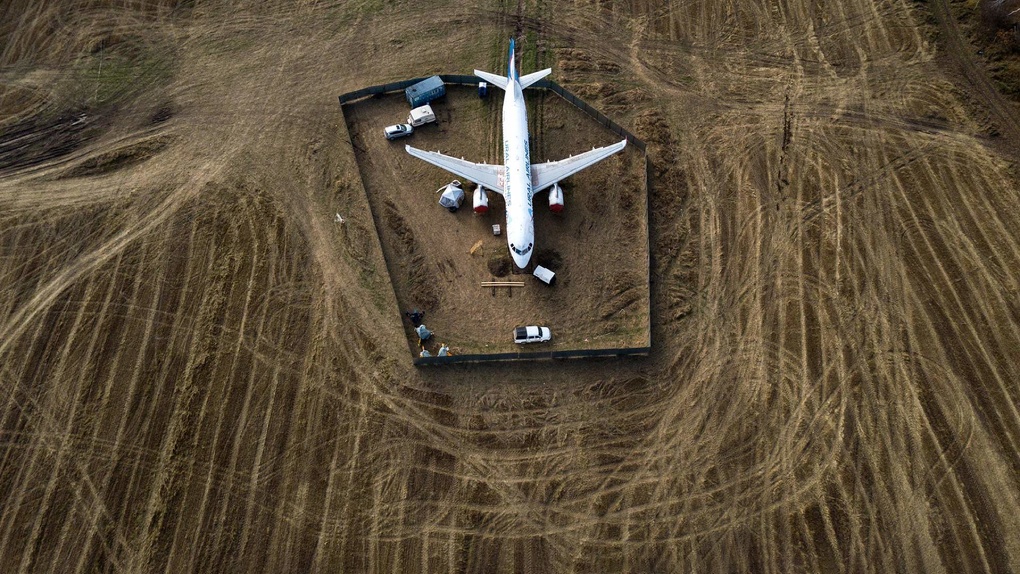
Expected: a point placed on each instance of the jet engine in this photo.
(556, 198)
(481, 200)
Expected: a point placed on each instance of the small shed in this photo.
(425, 91)
(545, 275)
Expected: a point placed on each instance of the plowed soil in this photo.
(202, 371)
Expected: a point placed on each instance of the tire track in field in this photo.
(959, 50)
(117, 442)
(804, 306)
(955, 301)
(802, 414)
(60, 447)
(242, 421)
(97, 506)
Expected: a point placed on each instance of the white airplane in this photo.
(517, 180)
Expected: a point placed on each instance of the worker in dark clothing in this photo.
(416, 317)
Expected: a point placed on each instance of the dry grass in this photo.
(202, 371)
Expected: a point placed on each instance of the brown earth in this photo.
(203, 372)
(598, 245)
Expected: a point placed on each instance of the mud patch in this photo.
(549, 258)
(598, 91)
(164, 113)
(499, 264)
(120, 158)
(398, 225)
(45, 137)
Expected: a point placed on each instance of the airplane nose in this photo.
(521, 260)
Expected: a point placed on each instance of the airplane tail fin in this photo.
(511, 65)
(511, 72)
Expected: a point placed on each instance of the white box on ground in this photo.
(545, 275)
(495, 229)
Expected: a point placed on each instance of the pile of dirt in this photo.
(420, 276)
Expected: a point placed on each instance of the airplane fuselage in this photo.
(520, 222)
(515, 180)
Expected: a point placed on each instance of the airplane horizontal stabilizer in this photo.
(493, 79)
(534, 77)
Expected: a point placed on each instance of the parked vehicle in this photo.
(397, 131)
(421, 116)
(532, 334)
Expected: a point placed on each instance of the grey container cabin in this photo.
(425, 91)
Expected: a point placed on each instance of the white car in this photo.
(532, 334)
(397, 131)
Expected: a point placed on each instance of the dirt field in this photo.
(202, 372)
(597, 246)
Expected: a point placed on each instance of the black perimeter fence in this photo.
(458, 79)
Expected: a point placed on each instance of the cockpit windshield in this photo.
(522, 252)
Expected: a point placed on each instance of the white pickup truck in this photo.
(532, 334)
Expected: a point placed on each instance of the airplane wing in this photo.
(545, 174)
(487, 175)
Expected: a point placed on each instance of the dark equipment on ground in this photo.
(416, 316)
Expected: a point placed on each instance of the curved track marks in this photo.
(198, 365)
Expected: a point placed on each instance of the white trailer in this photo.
(421, 116)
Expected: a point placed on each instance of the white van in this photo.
(532, 334)
(421, 116)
